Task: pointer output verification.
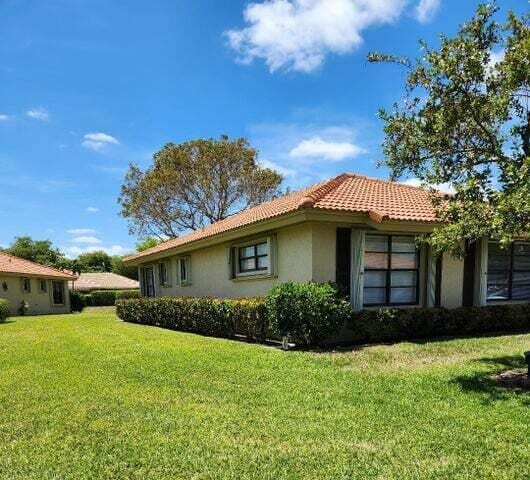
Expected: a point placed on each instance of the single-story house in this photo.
(354, 230)
(41, 289)
(89, 282)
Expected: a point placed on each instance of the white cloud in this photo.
(298, 34)
(316, 147)
(98, 141)
(442, 187)
(91, 210)
(496, 57)
(38, 114)
(286, 172)
(81, 231)
(426, 9)
(4, 117)
(86, 239)
(75, 250)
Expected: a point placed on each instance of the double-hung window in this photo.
(58, 293)
(391, 270)
(43, 285)
(163, 274)
(509, 271)
(26, 285)
(253, 258)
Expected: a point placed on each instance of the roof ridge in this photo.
(322, 190)
(20, 259)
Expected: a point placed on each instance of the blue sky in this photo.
(89, 86)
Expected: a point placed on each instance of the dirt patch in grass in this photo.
(516, 379)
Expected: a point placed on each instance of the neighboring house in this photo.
(88, 282)
(42, 289)
(356, 231)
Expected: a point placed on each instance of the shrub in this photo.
(400, 324)
(124, 294)
(87, 299)
(103, 298)
(4, 309)
(306, 312)
(208, 316)
(77, 302)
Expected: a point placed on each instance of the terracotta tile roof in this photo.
(18, 266)
(104, 281)
(380, 200)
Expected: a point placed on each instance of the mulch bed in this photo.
(512, 379)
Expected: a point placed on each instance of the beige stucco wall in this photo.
(210, 273)
(305, 252)
(451, 295)
(39, 303)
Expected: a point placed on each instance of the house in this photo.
(89, 282)
(357, 231)
(41, 289)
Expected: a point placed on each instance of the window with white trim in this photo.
(163, 274)
(183, 266)
(253, 258)
(509, 271)
(391, 270)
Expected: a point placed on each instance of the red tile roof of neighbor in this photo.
(19, 266)
(104, 281)
(380, 200)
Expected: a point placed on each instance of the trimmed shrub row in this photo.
(415, 323)
(77, 302)
(107, 298)
(4, 310)
(208, 316)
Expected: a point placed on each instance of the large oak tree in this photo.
(465, 120)
(193, 184)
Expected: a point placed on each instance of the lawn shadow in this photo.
(492, 391)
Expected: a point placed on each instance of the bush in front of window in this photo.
(207, 316)
(307, 313)
(391, 324)
(4, 310)
(77, 302)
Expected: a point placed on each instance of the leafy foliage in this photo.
(4, 310)
(465, 121)
(119, 268)
(193, 184)
(77, 302)
(208, 316)
(404, 324)
(306, 312)
(96, 261)
(147, 242)
(125, 294)
(39, 251)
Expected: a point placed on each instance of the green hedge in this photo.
(124, 294)
(307, 313)
(208, 316)
(4, 310)
(415, 323)
(107, 298)
(77, 302)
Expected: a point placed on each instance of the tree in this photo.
(39, 251)
(193, 184)
(119, 268)
(97, 261)
(465, 120)
(146, 243)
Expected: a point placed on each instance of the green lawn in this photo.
(87, 396)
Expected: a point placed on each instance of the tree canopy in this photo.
(193, 184)
(146, 243)
(465, 120)
(38, 251)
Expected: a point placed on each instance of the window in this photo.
(183, 266)
(163, 274)
(147, 282)
(253, 259)
(391, 270)
(43, 286)
(509, 271)
(26, 285)
(58, 293)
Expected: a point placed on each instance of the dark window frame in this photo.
(43, 282)
(163, 274)
(510, 272)
(183, 262)
(388, 274)
(63, 298)
(28, 280)
(255, 256)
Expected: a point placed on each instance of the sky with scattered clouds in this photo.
(89, 87)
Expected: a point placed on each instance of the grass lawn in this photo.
(87, 396)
